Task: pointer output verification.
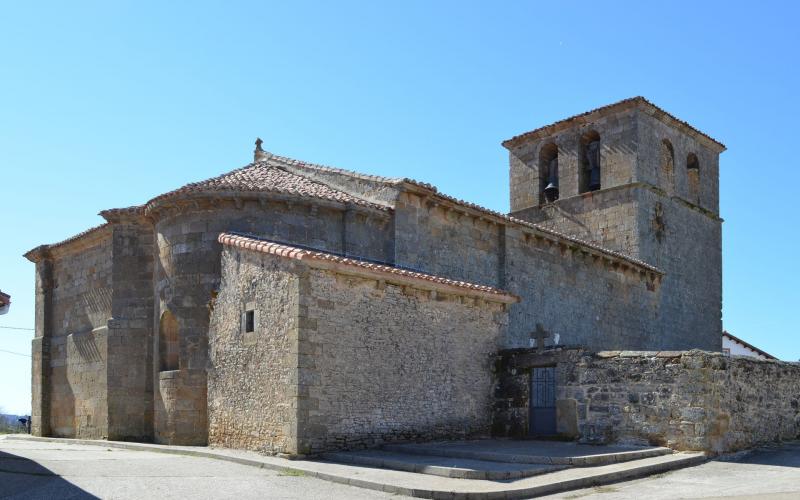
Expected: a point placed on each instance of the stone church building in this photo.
(288, 307)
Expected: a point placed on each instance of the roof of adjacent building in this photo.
(747, 345)
(256, 244)
(5, 299)
(631, 102)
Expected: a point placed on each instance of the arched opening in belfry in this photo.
(168, 344)
(548, 173)
(667, 170)
(589, 171)
(693, 174)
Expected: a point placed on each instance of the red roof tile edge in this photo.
(290, 252)
(619, 104)
(725, 333)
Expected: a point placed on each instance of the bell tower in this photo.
(635, 179)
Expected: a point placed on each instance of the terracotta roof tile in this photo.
(265, 246)
(269, 176)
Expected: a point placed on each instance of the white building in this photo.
(735, 346)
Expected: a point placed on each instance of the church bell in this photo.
(551, 191)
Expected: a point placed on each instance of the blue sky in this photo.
(106, 104)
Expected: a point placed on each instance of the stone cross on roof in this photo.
(259, 154)
(540, 334)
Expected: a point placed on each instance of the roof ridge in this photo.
(328, 168)
(218, 183)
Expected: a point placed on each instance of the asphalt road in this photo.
(30, 469)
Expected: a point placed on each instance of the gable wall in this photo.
(81, 308)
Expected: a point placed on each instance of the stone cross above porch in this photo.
(540, 335)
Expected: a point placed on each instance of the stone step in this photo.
(531, 452)
(458, 468)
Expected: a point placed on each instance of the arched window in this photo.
(548, 173)
(667, 171)
(589, 173)
(693, 173)
(168, 345)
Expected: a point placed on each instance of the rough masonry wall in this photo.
(187, 273)
(130, 334)
(252, 380)
(607, 218)
(582, 298)
(435, 239)
(617, 159)
(686, 243)
(690, 400)
(81, 307)
(380, 362)
(651, 133)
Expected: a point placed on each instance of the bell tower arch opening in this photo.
(590, 168)
(548, 173)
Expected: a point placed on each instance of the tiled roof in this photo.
(630, 102)
(96, 229)
(291, 252)
(269, 176)
(115, 213)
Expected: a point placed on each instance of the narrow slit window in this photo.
(249, 321)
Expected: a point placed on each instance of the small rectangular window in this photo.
(249, 321)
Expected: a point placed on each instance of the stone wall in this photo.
(381, 362)
(618, 155)
(252, 380)
(687, 400)
(77, 338)
(584, 299)
(130, 333)
(433, 237)
(187, 275)
(342, 360)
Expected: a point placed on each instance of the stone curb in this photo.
(575, 461)
(586, 481)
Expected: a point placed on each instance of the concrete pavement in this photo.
(43, 470)
(768, 473)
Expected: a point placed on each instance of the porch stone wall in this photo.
(687, 400)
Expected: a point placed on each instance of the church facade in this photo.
(294, 308)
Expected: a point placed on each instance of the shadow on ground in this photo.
(23, 478)
(786, 455)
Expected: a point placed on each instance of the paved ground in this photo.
(35, 470)
(766, 474)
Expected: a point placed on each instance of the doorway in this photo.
(542, 421)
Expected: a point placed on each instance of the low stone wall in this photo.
(687, 400)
